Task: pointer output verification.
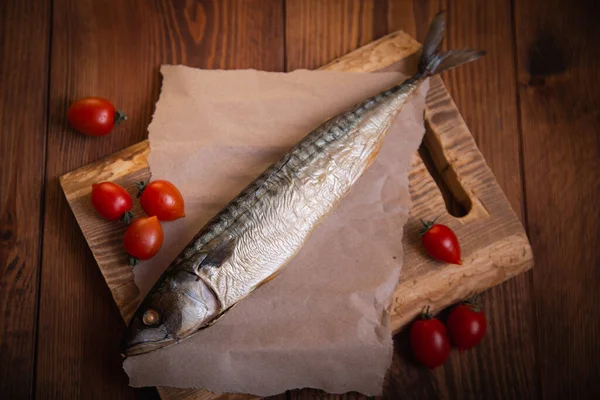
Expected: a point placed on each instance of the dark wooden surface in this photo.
(24, 59)
(559, 97)
(532, 105)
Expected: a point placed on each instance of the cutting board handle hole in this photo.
(458, 202)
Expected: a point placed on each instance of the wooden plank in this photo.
(308, 46)
(486, 93)
(24, 42)
(493, 240)
(559, 93)
(113, 49)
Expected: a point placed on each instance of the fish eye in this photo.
(150, 317)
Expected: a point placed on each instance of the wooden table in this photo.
(532, 105)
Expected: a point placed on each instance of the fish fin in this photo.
(433, 40)
(215, 254)
(432, 60)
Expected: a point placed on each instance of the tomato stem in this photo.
(133, 261)
(474, 302)
(425, 314)
(126, 218)
(427, 224)
(141, 185)
(119, 117)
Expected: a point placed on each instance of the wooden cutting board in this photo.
(449, 178)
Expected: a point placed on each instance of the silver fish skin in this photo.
(260, 231)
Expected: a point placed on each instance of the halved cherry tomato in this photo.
(162, 199)
(467, 324)
(94, 116)
(429, 341)
(143, 239)
(111, 201)
(441, 242)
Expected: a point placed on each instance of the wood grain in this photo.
(24, 42)
(486, 93)
(494, 245)
(559, 93)
(113, 49)
(308, 45)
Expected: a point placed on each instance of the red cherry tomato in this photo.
(143, 239)
(441, 243)
(94, 116)
(429, 341)
(111, 201)
(162, 199)
(466, 325)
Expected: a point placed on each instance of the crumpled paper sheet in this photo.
(323, 322)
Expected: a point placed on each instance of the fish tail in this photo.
(433, 61)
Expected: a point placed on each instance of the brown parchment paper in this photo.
(323, 322)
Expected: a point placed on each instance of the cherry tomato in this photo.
(429, 341)
(94, 116)
(111, 201)
(467, 325)
(162, 199)
(441, 242)
(143, 239)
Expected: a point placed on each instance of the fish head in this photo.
(177, 306)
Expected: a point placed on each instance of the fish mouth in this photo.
(138, 348)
